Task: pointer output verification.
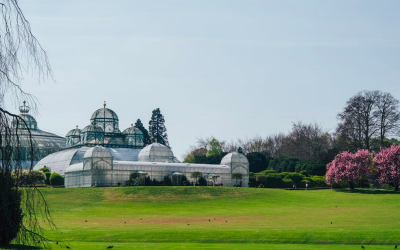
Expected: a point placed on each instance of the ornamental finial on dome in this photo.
(104, 104)
(24, 109)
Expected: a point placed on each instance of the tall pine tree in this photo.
(157, 129)
(146, 137)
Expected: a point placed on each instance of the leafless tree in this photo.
(20, 53)
(388, 115)
(366, 115)
(273, 144)
(308, 142)
(359, 118)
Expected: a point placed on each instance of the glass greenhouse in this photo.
(44, 143)
(100, 155)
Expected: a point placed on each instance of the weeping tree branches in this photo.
(22, 210)
(20, 53)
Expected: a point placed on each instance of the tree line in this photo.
(369, 120)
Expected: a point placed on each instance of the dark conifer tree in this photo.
(157, 129)
(146, 137)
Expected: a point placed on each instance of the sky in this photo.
(224, 68)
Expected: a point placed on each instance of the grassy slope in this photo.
(161, 214)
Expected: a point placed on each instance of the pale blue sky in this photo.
(232, 69)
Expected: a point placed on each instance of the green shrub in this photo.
(303, 184)
(196, 175)
(270, 179)
(273, 180)
(156, 183)
(31, 177)
(44, 169)
(312, 168)
(167, 181)
(11, 214)
(257, 161)
(184, 181)
(135, 180)
(287, 183)
(147, 181)
(56, 179)
(283, 164)
(262, 179)
(47, 181)
(264, 172)
(252, 181)
(304, 173)
(202, 181)
(294, 177)
(319, 181)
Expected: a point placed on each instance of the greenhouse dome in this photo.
(106, 119)
(44, 143)
(74, 132)
(92, 134)
(237, 162)
(133, 136)
(29, 120)
(92, 128)
(73, 137)
(156, 152)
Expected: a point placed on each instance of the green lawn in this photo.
(223, 218)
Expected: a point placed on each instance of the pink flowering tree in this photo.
(388, 166)
(349, 168)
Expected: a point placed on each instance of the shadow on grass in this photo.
(366, 191)
(17, 246)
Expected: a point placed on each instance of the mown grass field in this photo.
(223, 218)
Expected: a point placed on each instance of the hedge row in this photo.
(270, 179)
(290, 164)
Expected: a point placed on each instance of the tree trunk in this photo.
(396, 187)
(351, 185)
(382, 129)
(367, 140)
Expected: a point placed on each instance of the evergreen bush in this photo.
(167, 181)
(44, 169)
(304, 173)
(31, 177)
(47, 181)
(312, 168)
(56, 179)
(202, 181)
(287, 183)
(10, 215)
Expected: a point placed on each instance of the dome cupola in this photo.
(237, 162)
(73, 137)
(92, 134)
(29, 120)
(133, 136)
(156, 152)
(106, 119)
